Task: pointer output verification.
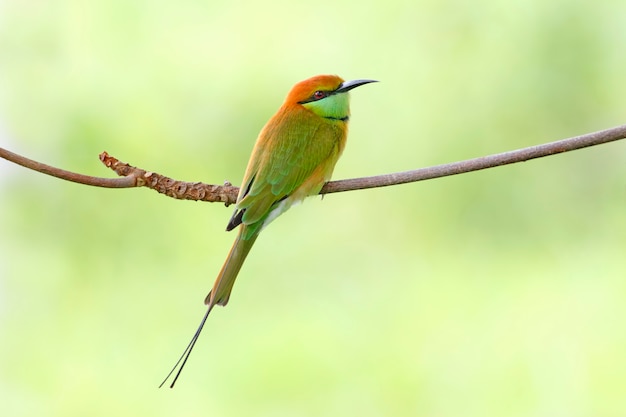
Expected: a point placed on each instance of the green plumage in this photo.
(293, 157)
(299, 144)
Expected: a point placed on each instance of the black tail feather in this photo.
(185, 356)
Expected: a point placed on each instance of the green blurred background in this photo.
(500, 292)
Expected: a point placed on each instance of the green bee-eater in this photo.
(293, 157)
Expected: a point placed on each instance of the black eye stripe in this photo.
(318, 95)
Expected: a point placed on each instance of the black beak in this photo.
(349, 85)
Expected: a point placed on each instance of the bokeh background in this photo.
(501, 292)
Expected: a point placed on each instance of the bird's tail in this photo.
(226, 278)
(185, 356)
(220, 293)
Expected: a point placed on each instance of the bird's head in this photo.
(325, 95)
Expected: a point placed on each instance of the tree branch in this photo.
(181, 190)
(227, 193)
(476, 164)
(126, 182)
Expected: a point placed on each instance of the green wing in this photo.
(282, 162)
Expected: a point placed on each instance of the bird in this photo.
(293, 157)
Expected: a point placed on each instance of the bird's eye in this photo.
(319, 95)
